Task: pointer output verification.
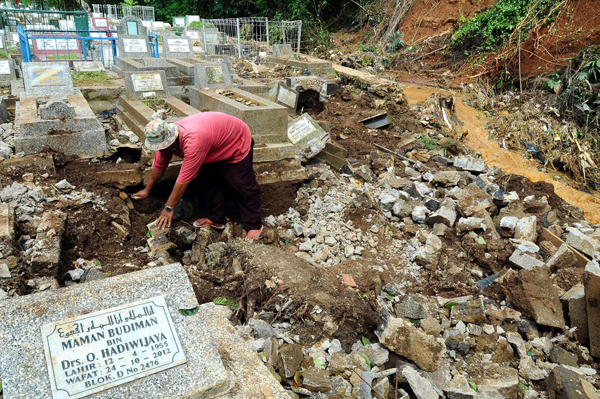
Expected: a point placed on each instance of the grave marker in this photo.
(61, 47)
(146, 84)
(115, 346)
(285, 96)
(133, 38)
(283, 51)
(45, 79)
(179, 22)
(7, 71)
(191, 18)
(212, 76)
(100, 23)
(88, 66)
(307, 136)
(139, 313)
(2, 45)
(177, 47)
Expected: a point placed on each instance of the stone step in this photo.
(274, 152)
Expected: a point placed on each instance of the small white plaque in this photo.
(179, 21)
(146, 82)
(4, 67)
(178, 45)
(1, 40)
(57, 44)
(135, 46)
(192, 34)
(300, 130)
(97, 351)
(101, 22)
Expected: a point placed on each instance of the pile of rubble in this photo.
(529, 327)
(7, 145)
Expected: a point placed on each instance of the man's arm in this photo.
(155, 176)
(166, 216)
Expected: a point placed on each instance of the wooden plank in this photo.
(547, 235)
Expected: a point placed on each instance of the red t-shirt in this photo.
(206, 137)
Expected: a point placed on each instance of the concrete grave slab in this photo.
(98, 316)
(160, 64)
(283, 51)
(88, 66)
(46, 79)
(284, 96)
(212, 76)
(146, 84)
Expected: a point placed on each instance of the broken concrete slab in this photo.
(582, 242)
(563, 382)
(446, 214)
(591, 282)
(471, 199)
(532, 293)
(470, 164)
(120, 178)
(575, 303)
(526, 229)
(547, 235)
(563, 258)
(45, 256)
(403, 338)
(524, 261)
(7, 222)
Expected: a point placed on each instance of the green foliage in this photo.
(553, 80)
(493, 27)
(226, 302)
(90, 78)
(200, 25)
(3, 54)
(189, 312)
(129, 3)
(396, 42)
(365, 341)
(364, 356)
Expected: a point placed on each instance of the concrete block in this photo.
(582, 242)
(591, 281)
(532, 293)
(575, 303)
(7, 222)
(526, 229)
(563, 258)
(267, 121)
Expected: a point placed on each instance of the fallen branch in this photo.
(394, 153)
(431, 52)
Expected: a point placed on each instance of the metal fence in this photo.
(49, 46)
(10, 18)
(244, 37)
(117, 12)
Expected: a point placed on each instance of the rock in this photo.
(563, 258)
(340, 389)
(470, 164)
(410, 308)
(564, 383)
(498, 382)
(439, 229)
(397, 208)
(524, 246)
(469, 312)
(186, 235)
(446, 214)
(517, 343)
(316, 379)
(420, 386)
(529, 370)
(114, 143)
(271, 220)
(591, 282)
(382, 387)
(574, 301)
(377, 354)
(503, 198)
(306, 246)
(582, 242)
(432, 204)
(443, 160)
(431, 326)
(459, 388)
(64, 186)
(341, 362)
(524, 261)
(446, 178)
(387, 199)
(532, 293)
(471, 199)
(526, 229)
(470, 224)
(94, 274)
(547, 249)
(561, 356)
(76, 274)
(262, 329)
(508, 225)
(419, 214)
(402, 337)
(420, 190)
(290, 359)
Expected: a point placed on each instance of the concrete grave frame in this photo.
(177, 47)
(146, 84)
(212, 75)
(283, 51)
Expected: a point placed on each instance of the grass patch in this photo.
(3, 54)
(154, 102)
(90, 79)
(68, 56)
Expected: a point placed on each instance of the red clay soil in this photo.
(424, 20)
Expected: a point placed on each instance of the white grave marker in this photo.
(97, 351)
(146, 82)
(4, 67)
(135, 45)
(178, 45)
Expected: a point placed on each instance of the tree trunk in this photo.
(84, 6)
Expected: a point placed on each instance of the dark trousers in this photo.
(242, 179)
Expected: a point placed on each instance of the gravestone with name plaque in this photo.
(120, 337)
(177, 47)
(47, 78)
(133, 38)
(212, 76)
(146, 84)
(283, 51)
(7, 71)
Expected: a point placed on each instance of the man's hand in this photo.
(164, 219)
(141, 194)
